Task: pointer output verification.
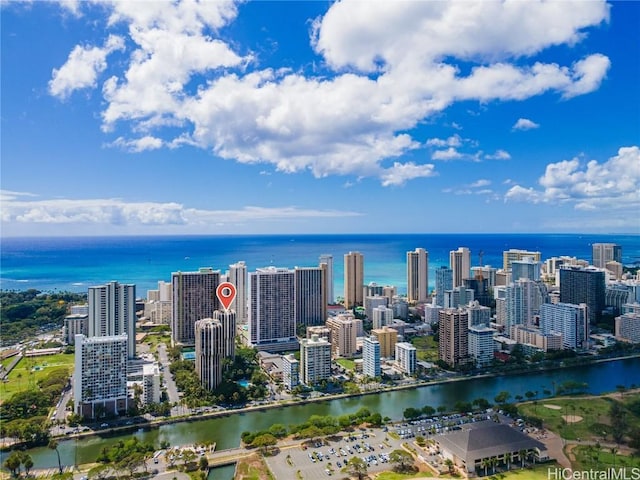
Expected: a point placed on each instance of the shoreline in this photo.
(157, 423)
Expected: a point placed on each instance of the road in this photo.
(172, 390)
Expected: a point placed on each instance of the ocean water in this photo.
(76, 263)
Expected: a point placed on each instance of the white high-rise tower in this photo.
(112, 311)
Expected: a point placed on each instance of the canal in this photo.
(225, 431)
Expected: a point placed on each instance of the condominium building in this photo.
(371, 357)
(237, 275)
(353, 279)
(605, 252)
(315, 360)
(418, 275)
(79, 309)
(290, 371)
(373, 302)
(528, 268)
(372, 289)
(568, 320)
(387, 337)
(453, 347)
(533, 336)
(627, 327)
(444, 282)
(151, 382)
(458, 297)
(327, 259)
(382, 316)
(75, 324)
(228, 320)
(194, 298)
(158, 307)
(487, 272)
(460, 264)
(100, 379)
(481, 345)
(478, 314)
(514, 254)
(583, 285)
(272, 325)
(344, 330)
(210, 345)
(406, 357)
(311, 295)
(112, 311)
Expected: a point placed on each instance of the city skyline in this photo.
(292, 117)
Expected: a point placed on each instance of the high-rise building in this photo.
(406, 357)
(444, 282)
(74, 325)
(210, 346)
(458, 297)
(238, 277)
(315, 360)
(112, 311)
(522, 302)
(481, 345)
(568, 320)
(454, 336)
(512, 254)
(158, 307)
(79, 309)
(100, 379)
(487, 272)
(627, 325)
(460, 263)
(227, 319)
(327, 259)
(478, 314)
(290, 371)
(344, 330)
(418, 275)
(387, 337)
(605, 252)
(382, 316)
(371, 303)
(480, 287)
(353, 279)
(371, 357)
(272, 323)
(391, 292)
(526, 268)
(400, 308)
(583, 285)
(311, 295)
(194, 298)
(372, 289)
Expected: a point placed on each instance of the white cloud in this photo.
(612, 184)
(399, 173)
(448, 154)
(483, 182)
(498, 155)
(394, 65)
(137, 145)
(119, 212)
(82, 67)
(452, 141)
(524, 124)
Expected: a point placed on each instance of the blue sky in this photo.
(309, 117)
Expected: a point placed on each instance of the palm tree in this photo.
(522, 453)
(508, 458)
(449, 463)
(494, 462)
(53, 445)
(485, 464)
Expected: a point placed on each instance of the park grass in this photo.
(595, 423)
(25, 376)
(153, 340)
(346, 363)
(592, 458)
(538, 472)
(427, 348)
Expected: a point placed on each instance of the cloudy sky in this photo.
(190, 117)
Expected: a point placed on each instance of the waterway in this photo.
(225, 431)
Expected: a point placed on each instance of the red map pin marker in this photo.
(226, 293)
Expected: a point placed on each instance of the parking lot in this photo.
(317, 460)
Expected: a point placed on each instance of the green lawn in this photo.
(590, 457)
(31, 369)
(539, 472)
(427, 348)
(594, 412)
(154, 339)
(346, 363)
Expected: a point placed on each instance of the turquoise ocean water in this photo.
(74, 264)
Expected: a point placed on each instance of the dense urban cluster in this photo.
(287, 335)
